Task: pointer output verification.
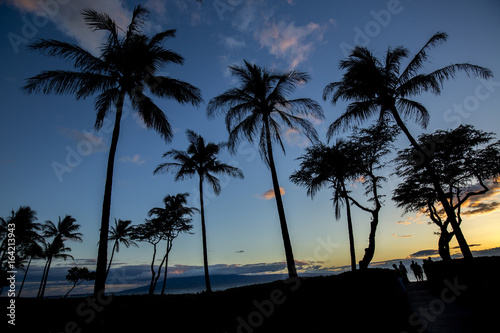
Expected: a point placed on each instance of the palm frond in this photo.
(152, 115)
(421, 57)
(181, 91)
(82, 59)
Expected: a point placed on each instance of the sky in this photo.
(53, 160)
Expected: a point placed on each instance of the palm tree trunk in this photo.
(169, 247)
(46, 278)
(204, 237)
(290, 261)
(102, 256)
(350, 229)
(43, 278)
(450, 212)
(111, 259)
(24, 278)
(153, 273)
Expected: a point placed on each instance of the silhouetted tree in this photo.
(371, 145)
(52, 250)
(464, 160)
(78, 275)
(200, 159)
(127, 66)
(175, 218)
(66, 229)
(333, 166)
(26, 227)
(379, 87)
(259, 108)
(121, 232)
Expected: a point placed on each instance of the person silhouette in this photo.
(414, 268)
(404, 272)
(399, 277)
(418, 272)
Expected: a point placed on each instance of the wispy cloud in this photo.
(68, 19)
(295, 138)
(295, 44)
(136, 159)
(401, 236)
(268, 195)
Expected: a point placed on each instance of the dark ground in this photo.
(370, 301)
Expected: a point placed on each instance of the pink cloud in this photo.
(268, 195)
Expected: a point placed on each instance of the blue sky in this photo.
(52, 159)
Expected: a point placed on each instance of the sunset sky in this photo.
(41, 133)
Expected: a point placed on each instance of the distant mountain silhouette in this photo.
(194, 284)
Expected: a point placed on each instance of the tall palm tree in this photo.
(258, 109)
(121, 232)
(55, 249)
(380, 87)
(175, 217)
(200, 159)
(128, 65)
(333, 166)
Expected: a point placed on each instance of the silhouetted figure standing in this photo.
(399, 277)
(419, 273)
(404, 272)
(426, 265)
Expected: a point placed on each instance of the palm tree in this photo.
(257, 109)
(128, 65)
(120, 233)
(201, 159)
(175, 219)
(334, 166)
(66, 229)
(25, 230)
(55, 249)
(379, 87)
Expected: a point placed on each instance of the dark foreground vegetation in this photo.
(361, 301)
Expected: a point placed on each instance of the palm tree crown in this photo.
(121, 232)
(201, 159)
(259, 107)
(380, 86)
(127, 65)
(65, 229)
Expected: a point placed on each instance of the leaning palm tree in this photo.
(127, 66)
(380, 87)
(200, 159)
(34, 251)
(334, 167)
(53, 250)
(121, 232)
(258, 109)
